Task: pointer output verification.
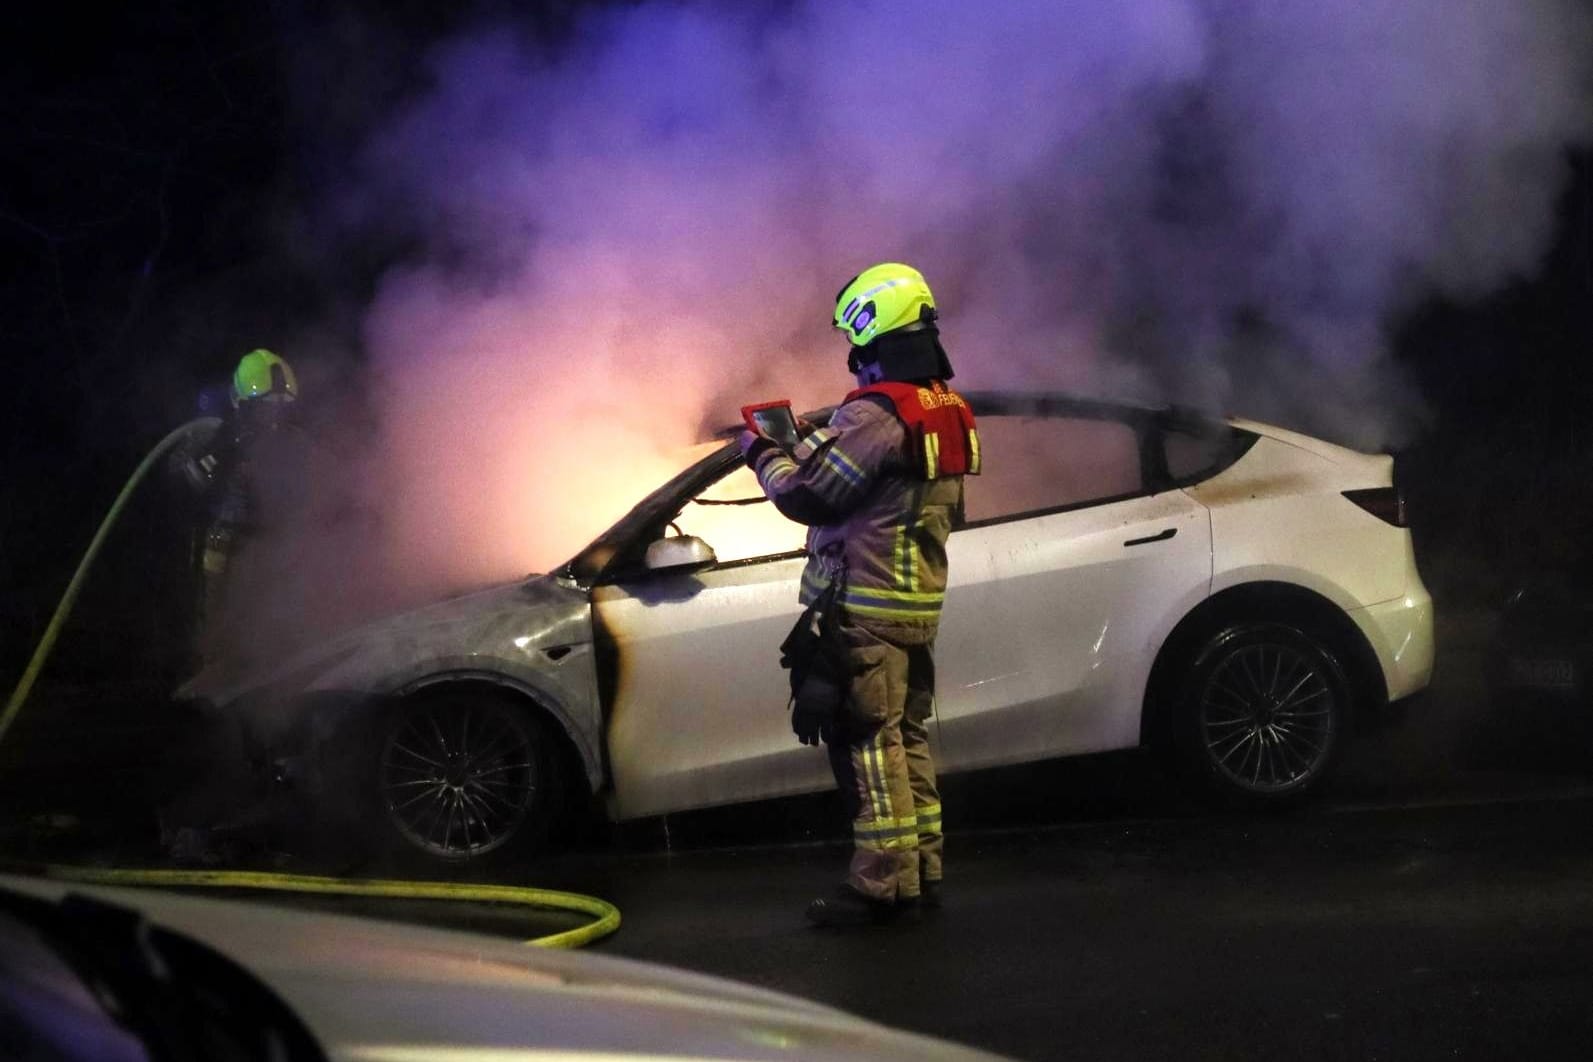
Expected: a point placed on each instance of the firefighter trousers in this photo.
(883, 767)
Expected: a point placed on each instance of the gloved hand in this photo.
(753, 446)
(196, 458)
(811, 724)
(813, 710)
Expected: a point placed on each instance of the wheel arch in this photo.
(1274, 601)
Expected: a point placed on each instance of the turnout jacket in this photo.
(875, 519)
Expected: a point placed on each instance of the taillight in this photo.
(1385, 503)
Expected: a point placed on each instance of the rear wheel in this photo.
(1262, 715)
(463, 777)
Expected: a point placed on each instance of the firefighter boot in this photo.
(847, 907)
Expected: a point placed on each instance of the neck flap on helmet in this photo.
(905, 354)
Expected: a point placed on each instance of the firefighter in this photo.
(879, 487)
(217, 467)
(221, 811)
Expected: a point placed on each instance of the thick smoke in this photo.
(619, 239)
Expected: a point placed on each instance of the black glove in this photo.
(814, 710)
(196, 459)
(754, 446)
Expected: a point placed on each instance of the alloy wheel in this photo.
(458, 779)
(1268, 716)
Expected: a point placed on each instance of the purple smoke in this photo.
(1216, 202)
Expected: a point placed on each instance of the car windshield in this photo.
(654, 511)
(649, 518)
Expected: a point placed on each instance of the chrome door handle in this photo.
(1163, 537)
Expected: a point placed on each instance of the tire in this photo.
(1262, 714)
(462, 777)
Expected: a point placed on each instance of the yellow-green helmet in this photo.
(262, 374)
(882, 299)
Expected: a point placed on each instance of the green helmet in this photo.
(262, 374)
(882, 299)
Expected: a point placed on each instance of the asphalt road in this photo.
(1456, 931)
(1437, 903)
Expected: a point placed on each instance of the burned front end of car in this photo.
(309, 744)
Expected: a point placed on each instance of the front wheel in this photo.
(462, 776)
(1263, 712)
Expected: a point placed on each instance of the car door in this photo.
(1064, 583)
(698, 712)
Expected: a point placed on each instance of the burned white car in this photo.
(1226, 591)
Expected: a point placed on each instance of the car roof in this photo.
(1060, 404)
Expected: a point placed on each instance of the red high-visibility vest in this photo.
(939, 424)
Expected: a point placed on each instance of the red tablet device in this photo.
(773, 419)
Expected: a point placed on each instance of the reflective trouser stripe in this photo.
(928, 819)
(884, 832)
(879, 794)
(886, 838)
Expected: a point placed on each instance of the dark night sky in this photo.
(158, 160)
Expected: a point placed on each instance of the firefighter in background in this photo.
(880, 487)
(218, 469)
(219, 812)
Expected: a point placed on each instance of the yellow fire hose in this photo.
(42, 652)
(605, 916)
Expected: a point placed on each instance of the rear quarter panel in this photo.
(1277, 514)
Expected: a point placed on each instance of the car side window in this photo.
(740, 531)
(1033, 464)
(1194, 454)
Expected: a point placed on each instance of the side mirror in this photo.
(681, 551)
